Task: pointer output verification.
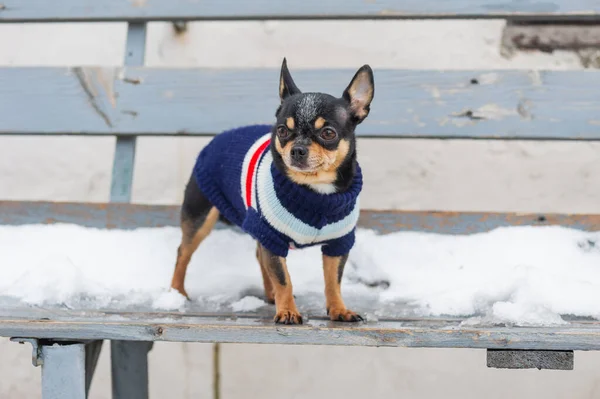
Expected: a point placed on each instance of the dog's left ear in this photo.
(287, 87)
(360, 92)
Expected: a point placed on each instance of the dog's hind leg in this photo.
(198, 217)
(268, 284)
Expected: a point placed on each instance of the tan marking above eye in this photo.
(290, 123)
(320, 122)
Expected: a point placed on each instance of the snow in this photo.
(170, 300)
(512, 275)
(247, 304)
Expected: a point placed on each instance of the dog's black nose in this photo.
(299, 152)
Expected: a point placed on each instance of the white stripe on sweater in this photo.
(246, 166)
(285, 222)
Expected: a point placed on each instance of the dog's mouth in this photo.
(304, 168)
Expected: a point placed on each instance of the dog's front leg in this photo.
(333, 270)
(285, 306)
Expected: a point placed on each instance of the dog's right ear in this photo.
(287, 87)
(359, 93)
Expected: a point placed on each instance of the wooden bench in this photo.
(83, 101)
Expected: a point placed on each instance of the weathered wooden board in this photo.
(129, 216)
(437, 104)
(549, 37)
(148, 10)
(232, 329)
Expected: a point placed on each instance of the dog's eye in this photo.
(282, 132)
(328, 134)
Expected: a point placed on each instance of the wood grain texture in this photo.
(430, 104)
(230, 329)
(130, 216)
(149, 10)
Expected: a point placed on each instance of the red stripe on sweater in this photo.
(251, 167)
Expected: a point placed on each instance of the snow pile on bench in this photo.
(517, 275)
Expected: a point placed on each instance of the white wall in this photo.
(400, 174)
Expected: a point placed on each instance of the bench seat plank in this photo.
(199, 101)
(228, 328)
(150, 10)
(129, 216)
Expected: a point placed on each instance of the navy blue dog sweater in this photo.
(235, 171)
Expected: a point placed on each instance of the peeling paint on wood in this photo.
(531, 35)
(143, 10)
(488, 78)
(198, 101)
(98, 88)
(493, 111)
(139, 3)
(536, 77)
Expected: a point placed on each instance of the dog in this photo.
(292, 184)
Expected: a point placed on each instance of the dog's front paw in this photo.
(287, 316)
(343, 314)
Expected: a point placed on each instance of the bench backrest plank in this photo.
(149, 101)
(151, 10)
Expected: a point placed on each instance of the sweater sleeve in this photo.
(340, 246)
(268, 237)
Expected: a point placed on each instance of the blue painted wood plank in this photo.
(148, 10)
(130, 216)
(423, 333)
(201, 101)
(113, 215)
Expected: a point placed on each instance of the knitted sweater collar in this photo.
(319, 209)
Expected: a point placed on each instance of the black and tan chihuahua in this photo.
(289, 185)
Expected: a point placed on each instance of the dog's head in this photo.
(314, 134)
